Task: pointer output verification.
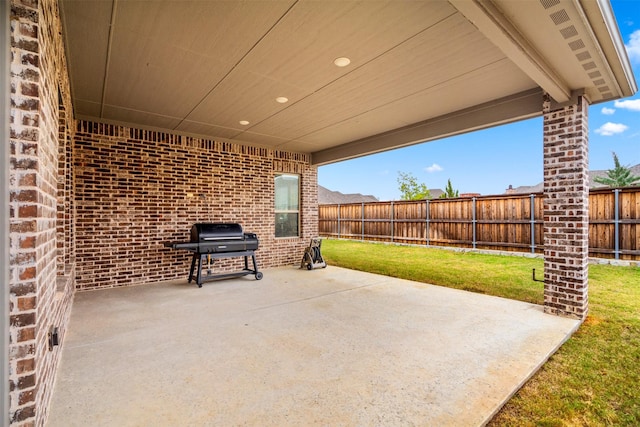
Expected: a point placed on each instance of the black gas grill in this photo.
(210, 241)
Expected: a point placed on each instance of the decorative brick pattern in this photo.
(38, 78)
(566, 209)
(136, 190)
(65, 226)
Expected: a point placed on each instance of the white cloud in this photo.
(434, 168)
(629, 104)
(609, 129)
(633, 47)
(607, 111)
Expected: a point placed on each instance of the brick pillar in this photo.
(566, 209)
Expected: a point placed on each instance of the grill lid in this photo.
(206, 232)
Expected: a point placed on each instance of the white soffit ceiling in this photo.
(419, 70)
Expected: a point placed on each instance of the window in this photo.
(287, 206)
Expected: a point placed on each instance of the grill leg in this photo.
(255, 267)
(199, 277)
(193, 265)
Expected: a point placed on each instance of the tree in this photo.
(619, 176)
(449, 192)
(410, 189)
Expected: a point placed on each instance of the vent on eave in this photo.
(559, 17)
(549, 3)
(589, 66)
(595, 74)
(569, 32)
(576, 44)
(583, 56)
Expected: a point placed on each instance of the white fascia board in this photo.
(605, 32)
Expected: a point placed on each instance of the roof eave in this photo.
(601, 19)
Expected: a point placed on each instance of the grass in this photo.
(593, 380)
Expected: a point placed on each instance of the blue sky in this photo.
(488, 161)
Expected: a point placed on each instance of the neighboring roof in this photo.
(435, 193)
(538, 188)
(528, 189)
(419, 71)
(329, 197)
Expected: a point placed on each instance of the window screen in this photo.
(287, 205)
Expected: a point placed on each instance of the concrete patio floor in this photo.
(330, 347)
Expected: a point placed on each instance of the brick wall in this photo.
(566, 209)
(38, 86)
(136, 189)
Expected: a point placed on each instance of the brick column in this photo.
(566, 209)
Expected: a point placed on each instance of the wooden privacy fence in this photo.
(506, 222)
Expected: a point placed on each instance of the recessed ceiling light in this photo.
(282, 99)
(244, 122)
(342, 61)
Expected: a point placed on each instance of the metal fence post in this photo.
(533, 223)
(392, 217)
(616, 223)
(427, 222)
(473, 220)
(362, 215)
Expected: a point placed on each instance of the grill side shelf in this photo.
(181, 245)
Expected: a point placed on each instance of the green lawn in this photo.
(593, 380)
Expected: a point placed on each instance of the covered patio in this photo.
(126, 122)
(327, 347)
